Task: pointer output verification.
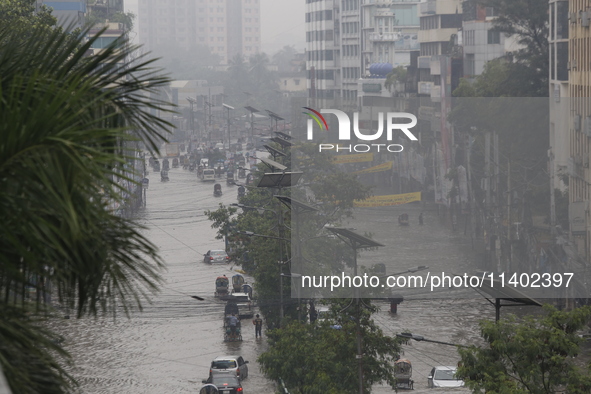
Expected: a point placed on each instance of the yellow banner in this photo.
(353, 158)
(382, 167)
(385, 201)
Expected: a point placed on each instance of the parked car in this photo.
(232, 365)
(443, 376)
(226, 384)
(216, 256)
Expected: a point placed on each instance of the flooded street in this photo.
(168, 348)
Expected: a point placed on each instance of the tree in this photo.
(526, 69)
(534, 356)
(70, 125)
(284, 57)
(316, 358)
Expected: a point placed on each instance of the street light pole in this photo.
(228, 107)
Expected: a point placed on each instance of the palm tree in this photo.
(68, 122)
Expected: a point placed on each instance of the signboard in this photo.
(353, 158)
(372, 87)
(578, 217)
(389, 200)
(145, 183)
(382, 167)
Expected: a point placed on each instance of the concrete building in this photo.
(323, 56)
(559, 91)
(579, 81)
(390, 31)
(226, 27)
(345, 37)
(69, 13)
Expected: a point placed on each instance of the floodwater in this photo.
(168, 347)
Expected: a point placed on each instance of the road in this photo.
(169, 346)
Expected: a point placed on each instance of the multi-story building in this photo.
(226, 27)
(390, 31)
(345, 37)
(69, 13)
(323, 59)
(480, 42)
(579, 93)
(559, 91)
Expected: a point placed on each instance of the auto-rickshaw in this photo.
(164, 176)
(241, 173)
(156, 165)
(217, 190)
(241, 191)
(230, 178)
(403, 219)
(237, 282)
(165, 164)
(222, 284)
(403, 374)
(175, 163)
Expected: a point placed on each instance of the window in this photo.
(430, 22)
(562, 20)
(470, 65)
(469, 37)
(494, 37)
(491, 12)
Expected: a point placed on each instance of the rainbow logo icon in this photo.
(317, 117)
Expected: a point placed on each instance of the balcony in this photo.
(385, 37)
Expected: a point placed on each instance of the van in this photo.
(208, 175)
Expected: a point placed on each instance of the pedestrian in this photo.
(258, 327)
(421, 218)
(233, 322)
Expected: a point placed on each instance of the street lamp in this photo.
(192, 102)
(355, 241)
(420, 338)
(228, 107)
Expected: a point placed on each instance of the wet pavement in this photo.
(169, 346)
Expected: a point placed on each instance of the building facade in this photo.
(69, 13)
(345, 37)
(579, 87)
(226, 27)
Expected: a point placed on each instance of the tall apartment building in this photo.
(323, 61)
(579, 81)
(480, 42)
(345, 37)
(559, 91)
(390, 31)
(69, 13)
(227, 27)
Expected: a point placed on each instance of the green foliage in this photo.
(315, 358)
(21, 15)
(398, 74)
(70, 128)
(531, 356)
(525, 72)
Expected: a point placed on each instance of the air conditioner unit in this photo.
(572, 17)
(577, 122)
(587, 126)
(585, 19)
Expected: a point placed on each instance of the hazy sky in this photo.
(282, 23)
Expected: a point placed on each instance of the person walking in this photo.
(258, 326)
(233, 322)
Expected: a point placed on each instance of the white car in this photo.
(443, 376)
(234, 365)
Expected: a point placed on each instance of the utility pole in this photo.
(552, 196)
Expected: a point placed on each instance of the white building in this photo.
(226, 27)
